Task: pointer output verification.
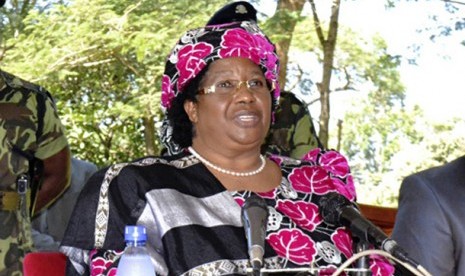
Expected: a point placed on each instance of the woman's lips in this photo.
(247, 118)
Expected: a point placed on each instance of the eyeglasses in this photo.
(229, 87)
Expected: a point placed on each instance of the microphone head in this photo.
(338, 210)
(255, 218)
(254, 201)
(331, 206)
(254, 212)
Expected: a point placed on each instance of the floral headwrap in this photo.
(199, 47)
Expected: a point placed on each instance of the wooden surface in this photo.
(383, 217)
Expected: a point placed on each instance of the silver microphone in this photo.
(254, 218)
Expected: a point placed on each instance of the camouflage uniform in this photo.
(293, 133)
(18, 126)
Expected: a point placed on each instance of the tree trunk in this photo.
(328, 45)
(285, 27)
(149, 135)
(339, 135)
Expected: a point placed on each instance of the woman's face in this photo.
(234, 105)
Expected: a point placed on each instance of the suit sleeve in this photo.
(421, 227)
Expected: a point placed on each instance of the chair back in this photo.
(44, 264)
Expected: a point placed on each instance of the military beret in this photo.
(234, 12)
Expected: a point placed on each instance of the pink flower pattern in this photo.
(191, 61)
(293, 244)
(338, 166)
(335, 163)
(312, 155)
(302, 232)
(345, 188)
(343, 241)
(379, 266)
(100, 264)
(168, 94)
(241, 43)
(277, 159)
(270, 194)
(311, 179)
(304, 214)
(201, 46)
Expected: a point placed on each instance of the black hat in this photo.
(234, 12)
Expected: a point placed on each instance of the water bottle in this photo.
(135, 260)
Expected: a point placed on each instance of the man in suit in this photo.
(430, 222)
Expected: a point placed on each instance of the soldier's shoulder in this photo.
(16, 82)
(290, 97)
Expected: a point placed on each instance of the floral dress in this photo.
(194, 224)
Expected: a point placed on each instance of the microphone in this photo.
(338, 210)
(254, 217)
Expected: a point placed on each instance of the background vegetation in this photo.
(103, 60)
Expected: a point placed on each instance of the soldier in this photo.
(34, 164)
(292, 133)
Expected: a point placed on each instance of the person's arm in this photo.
(54, 152)
(56, 175)
(44, 242)
(421, 227)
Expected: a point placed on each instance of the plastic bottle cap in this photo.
(136, 233)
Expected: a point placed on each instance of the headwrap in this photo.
(198, 48)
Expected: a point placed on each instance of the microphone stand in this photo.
(256, 268)
(362, 264)
(254, 271)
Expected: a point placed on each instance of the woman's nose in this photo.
(243, 92)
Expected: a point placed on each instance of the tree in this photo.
(385, 146)
(328, 45)
(343, 58)
(283, 22)
(12, 16)
(280, 27)
(103, 62)
(372, 135)
(104, 59)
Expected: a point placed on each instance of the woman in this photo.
(219, 90)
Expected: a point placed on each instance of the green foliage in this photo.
(386, 143)
(277, 27)
(304, 38)
(372, 134)
(103, 61)
(358, 63)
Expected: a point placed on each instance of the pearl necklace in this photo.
(213, 166)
